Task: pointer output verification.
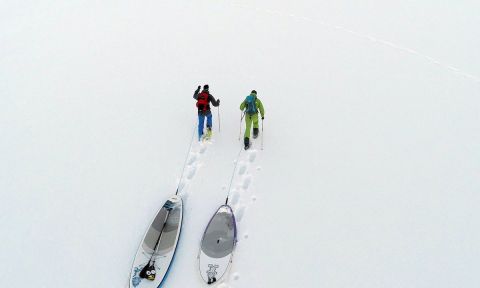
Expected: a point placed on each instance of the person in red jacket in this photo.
(204, 99)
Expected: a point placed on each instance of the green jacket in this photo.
(258, 103)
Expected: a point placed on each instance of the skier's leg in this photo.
(201, 120)
(248, 125)
(246, 143)
(255, 125)
(209, 125)
(255, 120)
(209, 120)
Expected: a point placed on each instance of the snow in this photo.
(371, 162)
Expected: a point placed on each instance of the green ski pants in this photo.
(248, 122)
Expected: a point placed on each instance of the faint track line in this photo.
(370, 38)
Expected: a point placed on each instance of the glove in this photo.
(263, 117)
(198, 89)
(218, 101)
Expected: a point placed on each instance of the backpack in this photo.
(251, 105)
(202, 101)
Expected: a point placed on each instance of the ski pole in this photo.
(262, 135)
(218, 118)
(241, 118)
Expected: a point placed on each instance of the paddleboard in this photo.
(217, 245)
(158, 246)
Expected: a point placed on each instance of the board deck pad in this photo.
(218, 244)
(169, 217)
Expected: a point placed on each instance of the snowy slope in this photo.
(371, 166)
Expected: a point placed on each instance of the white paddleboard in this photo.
(160, 241)
(218, 244)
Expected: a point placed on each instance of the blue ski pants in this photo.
(201, 123)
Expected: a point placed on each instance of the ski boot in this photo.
(246, 141)
(209, 133)
(255, 133)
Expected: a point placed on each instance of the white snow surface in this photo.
(370, 173)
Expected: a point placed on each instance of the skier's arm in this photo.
(260, 107)
(214, 102)
(195, 94)
(242, 106)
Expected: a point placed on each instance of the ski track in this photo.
(365, 36)
(243, 195)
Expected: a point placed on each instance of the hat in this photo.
(205, 87)
(253, 92)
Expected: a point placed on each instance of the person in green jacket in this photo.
(252, 105)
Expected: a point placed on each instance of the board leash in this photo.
(185, 162)
(233, 174)
(150, 266)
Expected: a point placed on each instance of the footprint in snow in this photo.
(252, 155)
(192, 159)
(239, 213)
(246, 182)
(235, 197)
(243, 168)
(181, 185)
(203, 148)
(191, 172)
(185, 198)
(235, 276)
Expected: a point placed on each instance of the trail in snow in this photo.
(86, 150)
(195, 161)
(241, 197)
(365, 36)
